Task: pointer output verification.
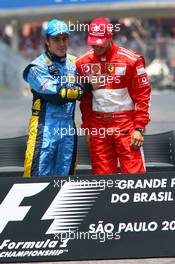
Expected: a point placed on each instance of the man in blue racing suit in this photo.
(52, 141)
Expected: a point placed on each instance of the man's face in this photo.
(58, 45)
(101, 50)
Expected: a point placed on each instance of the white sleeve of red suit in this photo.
(140, 92)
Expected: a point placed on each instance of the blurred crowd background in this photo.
(154, 38)
(151, 37)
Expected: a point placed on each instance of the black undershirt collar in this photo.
(56, 58)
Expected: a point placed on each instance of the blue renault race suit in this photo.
(52, 141)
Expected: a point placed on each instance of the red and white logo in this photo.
(143, 81)
(86, 69)
(120, 69)
(99, 41)
(141, 70)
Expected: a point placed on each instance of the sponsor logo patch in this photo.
(99, 41)
(143, 81)
(45, 84)
(96, 68)
(86, 69)
(140, 70)
(34, 73)
(110, 68)
(120, 69)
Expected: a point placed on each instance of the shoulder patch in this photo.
(140, 70)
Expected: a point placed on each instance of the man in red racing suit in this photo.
(115, 112)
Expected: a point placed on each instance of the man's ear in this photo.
(47, 41)
(110, 40)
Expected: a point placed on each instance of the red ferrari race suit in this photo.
(113, 111)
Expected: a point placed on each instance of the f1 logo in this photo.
(10, 209)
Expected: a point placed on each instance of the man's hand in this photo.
(73, 93)
(136, 140)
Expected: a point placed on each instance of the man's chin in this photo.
(61, 53)
(99, 53)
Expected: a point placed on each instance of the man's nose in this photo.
(61, 42)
